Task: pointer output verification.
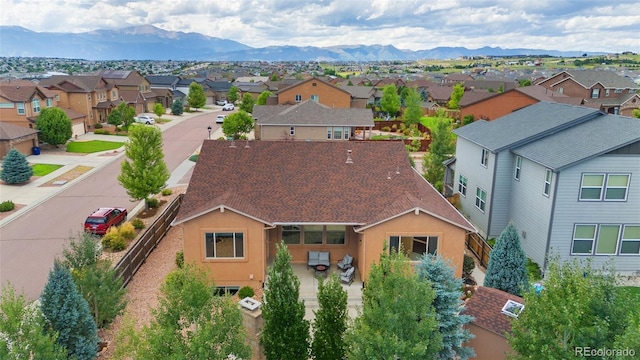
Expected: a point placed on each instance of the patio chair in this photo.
(346, 263)
(348, 276)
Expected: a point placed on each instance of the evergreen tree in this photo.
(196, 98)
(15, 168)
(54, 125)
(441, 148)
(507, 270)
(262, 98)
(448, 305)
(330, 323)
(390, 101)
(413, 107)
(247, 103)
(68, 315)
(286, 332)
(397, 319)
(144, 172)
(23, 332)
(177, 108)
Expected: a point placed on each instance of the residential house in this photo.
(16, 137)
(456, 78)
(219, 90)
(22, 100)
(252, 88)
(91, 96)
(162, 87)
(310, 120)
(601, 87)
(316, 90)
(133, 88)
(491, 322)
(362, 96)
(342, 197)
(568, 177)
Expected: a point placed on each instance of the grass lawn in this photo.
(633, 291)
(86, 147)
(44, 169)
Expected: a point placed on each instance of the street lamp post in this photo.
(209, 128)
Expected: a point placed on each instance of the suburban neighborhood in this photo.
(307, 206)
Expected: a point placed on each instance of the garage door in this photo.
(78, 129)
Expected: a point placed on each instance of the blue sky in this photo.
(583, 25)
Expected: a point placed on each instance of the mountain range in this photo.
(148, 42)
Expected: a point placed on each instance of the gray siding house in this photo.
(568, 178)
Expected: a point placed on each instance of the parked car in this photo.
(228, 107)
(145, 119)
(220, 119)
(221, 102)
(102, 219)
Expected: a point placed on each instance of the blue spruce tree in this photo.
(68, 314)
(15, 168)
(448, 306)
(507, 270)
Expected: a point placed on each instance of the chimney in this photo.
(349, 159)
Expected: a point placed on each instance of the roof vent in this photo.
(349, 159)
(233, 144)
(246, 145)
(398, 170)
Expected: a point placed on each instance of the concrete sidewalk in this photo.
(33, 193)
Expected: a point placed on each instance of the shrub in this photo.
(98, 126)
(386, 128)
(119, 243)
(467, 266)
(137, 224)
(127, 231)
(152, 203)
(492, 242)
(101, 132)
(167, 192)
(109, 237)
(180, 259)
(245, 291)
(533, 270)
(467, 119)
(7, 206)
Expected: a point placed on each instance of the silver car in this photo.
(145, 119)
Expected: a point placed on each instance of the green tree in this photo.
(233, 94)
(456, 95)
(97, 280)
(54, 125)
(247, 103)
(390, 101)
(237, 124)
(262, 98)
(330, 323)
(441, 148)
(68, 314)
(15, 168)
(122, 115)
(413, 107)
(196, 98)
(630, 338)
(191, 322)
(448, 305)
(578, 307)
(159, 110)
(286, 332)
(507, 269)
(23, 332)
(636, 113)
(524, 82)
(177, 108)
(397, 320)
(144, 171)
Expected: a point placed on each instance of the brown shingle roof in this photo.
(9, 131)
(311, 113)
(310, 182)
(23, 91)
(486, 307)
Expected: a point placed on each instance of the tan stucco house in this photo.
(343, 197)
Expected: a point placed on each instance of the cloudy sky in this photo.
(583, 25)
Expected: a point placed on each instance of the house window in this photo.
(595, 93)
(591, 187)
(337, 133)
(607, 239)
(414, 246)
(583, 238)
(57, 97)
(314, 84)
(516, 173)
(315, 98)
(481, 199)
(49, 102)
(224, 245)
(618, 91)
(88, 96)
(336, 234)
(547, 182)
(35, 104)
(630, 240)
(616, 189)
(329, 132)
(485, 158)
(6, 105)
(298, 98)
(292, 130)
(560, 90)
(114, 94)
(20, 106)
(291, 234)
(313, 234)
(346, 132)
(462, 185)
(606, 92)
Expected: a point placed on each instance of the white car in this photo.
(220, 119)
(228, 107)
(221, 102)
(145, 119)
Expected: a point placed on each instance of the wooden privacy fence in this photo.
(480, 248)
(138, 253)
